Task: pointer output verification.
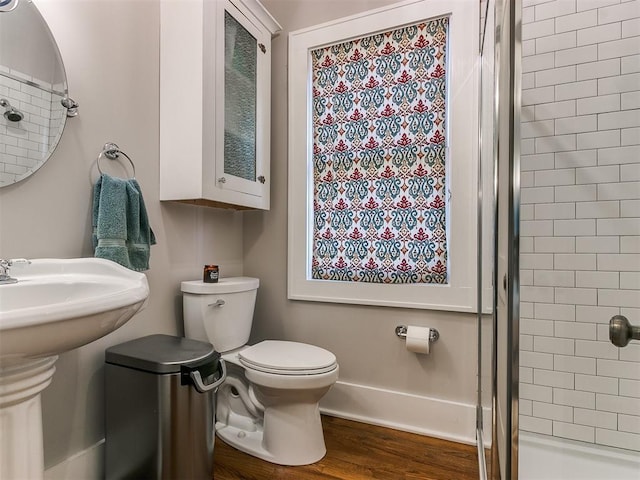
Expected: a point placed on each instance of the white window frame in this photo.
(462, 156)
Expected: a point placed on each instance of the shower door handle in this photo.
(621, 331)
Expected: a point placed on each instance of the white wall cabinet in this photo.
(215, 89)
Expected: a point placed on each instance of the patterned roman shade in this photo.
(379, 151)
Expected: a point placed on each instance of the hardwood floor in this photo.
(358, 451)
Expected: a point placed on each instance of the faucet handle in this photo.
(5, 264)
(4, 268)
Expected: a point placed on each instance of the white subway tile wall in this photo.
(24, 144)
(580, 262)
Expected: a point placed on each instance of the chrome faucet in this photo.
(5, 278)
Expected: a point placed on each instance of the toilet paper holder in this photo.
(401, 331)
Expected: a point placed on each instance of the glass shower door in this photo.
(566, 399)
(580, 239)
(486, 236)
(502, 134)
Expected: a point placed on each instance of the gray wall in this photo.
(362, 337)
(111, 55)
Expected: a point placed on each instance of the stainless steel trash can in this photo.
(160, 408)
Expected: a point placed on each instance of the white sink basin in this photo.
(56, 306)
(59, 305)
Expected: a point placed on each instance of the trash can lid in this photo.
(161, 353)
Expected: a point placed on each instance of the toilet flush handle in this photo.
(219, 303)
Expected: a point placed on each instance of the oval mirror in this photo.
(33, 91)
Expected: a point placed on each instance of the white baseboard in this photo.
(86, 465)
(402, 411)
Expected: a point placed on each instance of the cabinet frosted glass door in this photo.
(240, 100)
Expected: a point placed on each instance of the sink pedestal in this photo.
(21, 450)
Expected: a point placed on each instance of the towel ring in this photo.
(112, 152)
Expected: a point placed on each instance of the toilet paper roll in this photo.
(418, 339)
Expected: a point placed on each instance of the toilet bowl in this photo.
(268, 406)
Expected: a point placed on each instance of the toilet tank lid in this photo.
(224, 285)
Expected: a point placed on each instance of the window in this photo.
(382, 158)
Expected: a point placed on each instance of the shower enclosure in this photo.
(560, 170)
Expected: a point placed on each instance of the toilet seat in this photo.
(287, 358)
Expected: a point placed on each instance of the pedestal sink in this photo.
(56, 306)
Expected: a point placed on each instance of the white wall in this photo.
(111, 52)
(580, 243)
(372, 359)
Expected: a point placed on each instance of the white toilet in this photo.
(268, 406)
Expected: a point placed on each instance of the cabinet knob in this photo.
(222, 180)
(261, 179)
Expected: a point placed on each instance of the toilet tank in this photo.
(220, 313)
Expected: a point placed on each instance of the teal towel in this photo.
(121, 230)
